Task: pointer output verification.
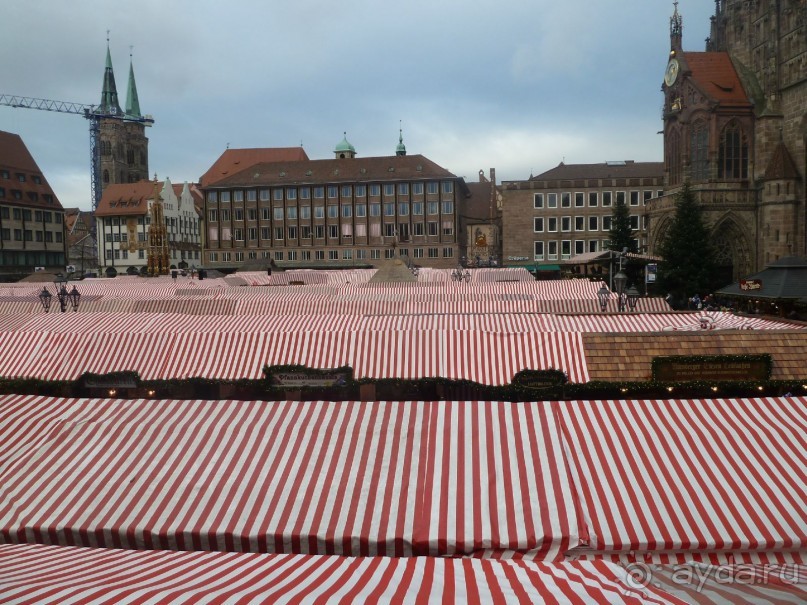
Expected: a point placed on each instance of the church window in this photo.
(130, 156)
(674, 157)
(699, 152)
(106, 176)
(733, 154)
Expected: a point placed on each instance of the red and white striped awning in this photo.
(483, 357)
(63, 575)
(720, 481)
(631, 482)
(484, 479)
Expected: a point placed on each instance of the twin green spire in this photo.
(109, 92)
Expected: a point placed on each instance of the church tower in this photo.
(122, 141)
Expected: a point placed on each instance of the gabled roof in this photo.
(15, 158)
(385, 168)
(714, 74)
(606, 170)
(233, 161)
(127, 199)
(196, 195)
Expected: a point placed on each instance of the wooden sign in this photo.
(301, 377)
(717, 368)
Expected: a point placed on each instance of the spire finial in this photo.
(676, 28)
(132, 101)
(109, 92)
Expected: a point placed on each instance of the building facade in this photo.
(567, 210)
(735, 128)
(343, 212)
(32, 233)
(124, 220)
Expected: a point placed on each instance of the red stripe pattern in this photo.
(349, 478)
(671, 481)
(59, 575)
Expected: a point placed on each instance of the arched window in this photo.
(699, 152)
(674, 157)
(732, 162)
(130, 156)
(106, 176)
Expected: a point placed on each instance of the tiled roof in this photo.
(127, 199)
(604, 170)
(629, 356)
(16, 159)
(385, 168)
(714, 74)
(233, 161)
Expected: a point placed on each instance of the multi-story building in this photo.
(31, 217)
(567, 210)
(735, 128)
(346, 211)
(124, 219)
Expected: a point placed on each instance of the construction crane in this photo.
(90, 112)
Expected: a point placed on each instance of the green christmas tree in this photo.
(621, 235)
(688, 266)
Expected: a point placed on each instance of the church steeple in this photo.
(401, 148)
(109, 92)
(676, 29)
(132, 103)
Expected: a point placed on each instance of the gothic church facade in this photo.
(735, 128)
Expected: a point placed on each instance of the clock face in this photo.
(672, 72)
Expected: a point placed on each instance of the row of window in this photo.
(549, 249)
(593, 198)
(141, 237)
(332, 211)
(172, 224)
(26, 214)
(402, 231)
(321, 255)
(20, 176)
(581, 223)
(141, 255)
(27, 235)
(333, 191)
(31, 258)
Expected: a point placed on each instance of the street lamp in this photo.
(633, 297)
(62, 295)
(603, 294)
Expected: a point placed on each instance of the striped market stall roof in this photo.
(640, 483)
(63, 575)
(160, 353)
(484, 479)
(719, 481)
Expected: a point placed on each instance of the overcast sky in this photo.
(518, 85)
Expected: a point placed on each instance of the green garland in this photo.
(521, 388)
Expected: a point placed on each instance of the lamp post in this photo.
(603, 294)
(64, 297)
(620, 281)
